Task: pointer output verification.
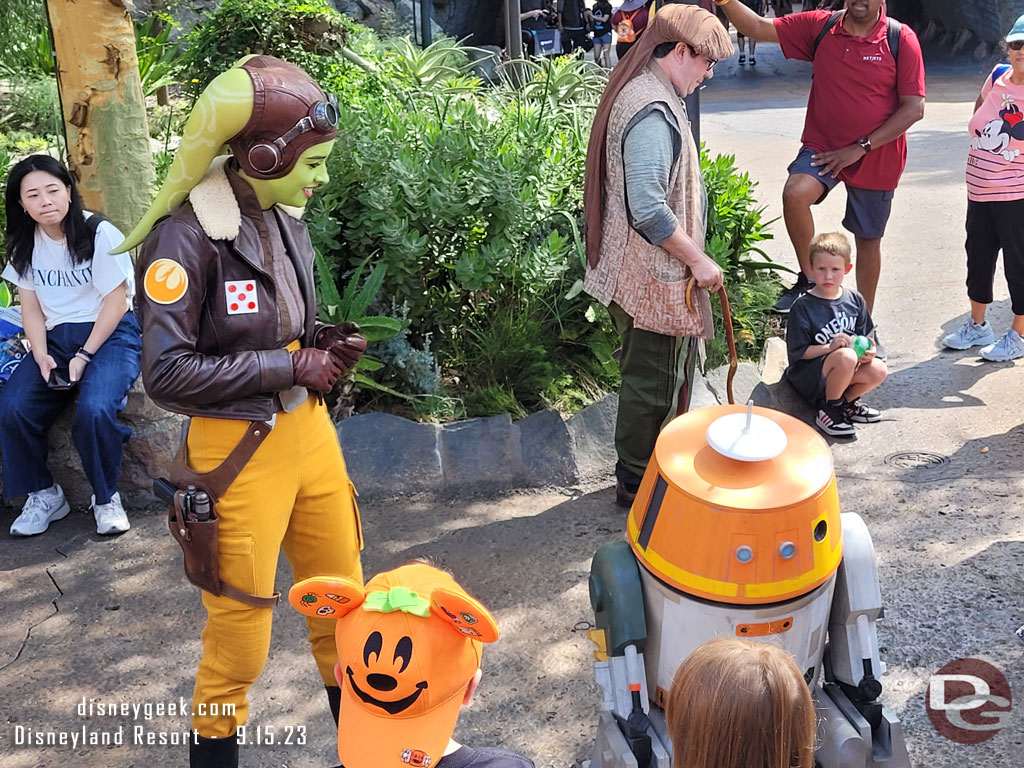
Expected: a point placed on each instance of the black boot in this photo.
(213, 753)
(334, 699)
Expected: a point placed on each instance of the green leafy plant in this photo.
(734, 229)
(352, 306)
(308, 34)
(29, 103)
(443, 60)
(156, 52)
(471, 197)
(26, 49)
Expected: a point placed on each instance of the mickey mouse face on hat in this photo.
(395, 636)
(382, 681)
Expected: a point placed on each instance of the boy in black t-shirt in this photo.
(824, 364)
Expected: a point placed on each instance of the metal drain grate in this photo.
(916, 460)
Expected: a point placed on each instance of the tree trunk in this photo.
(104, 111)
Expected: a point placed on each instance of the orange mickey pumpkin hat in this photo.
(408, 643)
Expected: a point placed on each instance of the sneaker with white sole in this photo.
(110, 517)
(859, 413)
(970, 334)
(832, 420)
(41, 508)
(1010, 346)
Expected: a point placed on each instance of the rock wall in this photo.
(987, 20)
(474, 20)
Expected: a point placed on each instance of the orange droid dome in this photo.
(745, 532)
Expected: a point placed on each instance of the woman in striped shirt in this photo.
(995, 205)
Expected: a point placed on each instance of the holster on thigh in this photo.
(192, 513)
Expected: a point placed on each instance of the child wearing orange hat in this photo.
(409, 648)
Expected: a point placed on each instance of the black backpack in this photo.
(894, 34)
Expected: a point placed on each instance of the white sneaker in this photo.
(41, 508)
(1009, 347)
(110, 517)
(970, 334)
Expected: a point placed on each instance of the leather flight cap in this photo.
(290, 113)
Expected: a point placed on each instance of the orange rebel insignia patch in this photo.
(166, 281)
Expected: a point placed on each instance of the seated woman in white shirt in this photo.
(76, 301)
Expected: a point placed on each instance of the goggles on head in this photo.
(267, 157)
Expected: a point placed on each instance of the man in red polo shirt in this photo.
(861, 104)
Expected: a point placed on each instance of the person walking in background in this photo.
(76, 301)
(572, 21)
(995, 205)
(645, 222)
(629, 23)
(868, 89)
(739, 704)
(601, 21)
(781, 7)
(757, 6)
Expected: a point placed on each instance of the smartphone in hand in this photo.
(60, 379)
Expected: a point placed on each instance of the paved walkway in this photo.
(84, 618)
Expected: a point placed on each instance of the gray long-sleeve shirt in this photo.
(650, 149)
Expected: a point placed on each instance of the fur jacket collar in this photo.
(216, 207)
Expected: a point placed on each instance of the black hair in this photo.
(661, 50)
(19, 240)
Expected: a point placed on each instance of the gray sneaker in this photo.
(970, 334)
(41, 508)
(1009, 347)
(110, 517)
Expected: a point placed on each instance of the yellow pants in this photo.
(294, 495)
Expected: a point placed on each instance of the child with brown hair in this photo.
(740, 704)
(828, 364)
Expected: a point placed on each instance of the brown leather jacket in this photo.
(198, 357)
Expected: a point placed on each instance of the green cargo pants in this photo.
(653, 368)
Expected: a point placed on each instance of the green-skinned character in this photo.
(231, 338)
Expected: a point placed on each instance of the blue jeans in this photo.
(28, 408)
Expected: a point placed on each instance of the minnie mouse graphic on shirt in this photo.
(995, 136)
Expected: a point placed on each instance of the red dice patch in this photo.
(241, 297)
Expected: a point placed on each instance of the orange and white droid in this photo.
(736, 531)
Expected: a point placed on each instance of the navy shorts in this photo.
(808, 378)
(867, 210)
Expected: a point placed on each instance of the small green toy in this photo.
(861, 344)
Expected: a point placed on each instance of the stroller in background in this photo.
(547, 41)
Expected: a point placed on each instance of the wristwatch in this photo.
(864, 143)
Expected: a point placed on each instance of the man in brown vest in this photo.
(645, 212)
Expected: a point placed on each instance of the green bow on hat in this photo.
(398, 599)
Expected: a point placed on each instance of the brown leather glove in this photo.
(315, 369)
(344, 342)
